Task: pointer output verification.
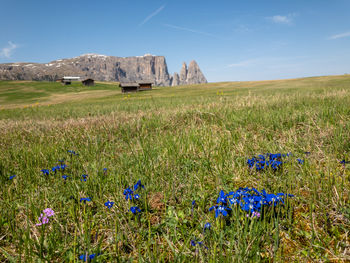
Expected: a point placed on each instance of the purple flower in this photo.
(43, 220)
(49, 212)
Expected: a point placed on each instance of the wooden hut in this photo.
(129, 87)
(68, 80)
(135, 86)
(145, 86)
(88, 82)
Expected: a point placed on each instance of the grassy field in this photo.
(185, 144)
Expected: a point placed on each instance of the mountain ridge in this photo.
(102, 68)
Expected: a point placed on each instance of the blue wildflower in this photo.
(199, 243)
(300, 161)
(63, 166)
(85, 199)
(138, 184)
(135, 210)
(61, 161)
(55, 168)
(137, 197)
(12, 176)
(45, 171)
(222, 198)
(84, 177)
(72, 152)
(65, 177)
(105, 169)
(207, 226)
(219, 209)
(89, 258)
(128, 193)
(109, 204)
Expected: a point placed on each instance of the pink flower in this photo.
(42, 220)
(49, 212)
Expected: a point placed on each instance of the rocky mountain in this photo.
(190, 75)
(104, 68)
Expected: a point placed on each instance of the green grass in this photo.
(185, 143)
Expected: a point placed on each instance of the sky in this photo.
(231, 40)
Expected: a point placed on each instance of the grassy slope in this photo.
(184, 143)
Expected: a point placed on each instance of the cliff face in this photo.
(98, 67)
(190, 75)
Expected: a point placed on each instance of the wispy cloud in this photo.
(190, 30)
(264, 61)
(280, 19)
(245, 63)
(8, 50)
(152, 15)
(342, 35)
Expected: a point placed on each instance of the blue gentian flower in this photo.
(109, 204)
(138, 184)
(105, 169)
(72, 152)
(45, 171)
(12, 176)
(219, 209)
(300, 161)
(65, 177)
(193, 203)
(207, 226)
(135, 210)
(84, 177)
(63, 166)
(128, 193)
(85, 199)
(199, 243)
(222, 198)
(137, 197)
(61, 161)
(89, 258)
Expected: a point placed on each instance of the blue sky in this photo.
(230, 39)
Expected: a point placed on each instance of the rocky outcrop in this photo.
(194, 74)
(190, 75)
(102, 68)
(175, 80)
(183, 73)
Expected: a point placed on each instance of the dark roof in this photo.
(87, 80)
(129, 84)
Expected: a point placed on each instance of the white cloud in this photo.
(346, 34)
(8, 50)
(286, 20)
(152, 15)
(190, 30)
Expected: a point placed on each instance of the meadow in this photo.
(91, 174)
